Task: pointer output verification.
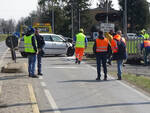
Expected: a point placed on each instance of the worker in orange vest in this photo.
(146, 45)
(118, 46)
(101, 48)
(80, 42)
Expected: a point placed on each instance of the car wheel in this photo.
(70, 51)
(23, 54)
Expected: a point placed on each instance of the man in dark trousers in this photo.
(31, 50)
(101, 48)
(40, 45)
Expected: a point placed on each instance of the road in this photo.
(3, 51)
(71, 88)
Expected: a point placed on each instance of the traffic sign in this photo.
(106, 27)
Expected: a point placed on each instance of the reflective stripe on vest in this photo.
(80, 40)
(28, 44)
(146, 43)
(114, 46)
(102, 45)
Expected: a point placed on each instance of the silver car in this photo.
(54, 45)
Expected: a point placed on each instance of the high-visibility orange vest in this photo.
(102, 45)
(114, 46)
(146, 43)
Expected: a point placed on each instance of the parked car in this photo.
(54, 45)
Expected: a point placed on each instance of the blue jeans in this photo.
(39, 57)
(31, 64)
(146, 53)
(101, 59)
(119, 68)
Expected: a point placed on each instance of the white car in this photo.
(54, 45)
(131, 36)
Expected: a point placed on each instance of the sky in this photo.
(15, 9)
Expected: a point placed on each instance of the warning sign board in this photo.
(106, 27)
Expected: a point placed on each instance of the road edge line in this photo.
(52, 101)
(126, 85)
(1, 87)
(33, 99)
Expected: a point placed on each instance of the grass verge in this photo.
(3, 37)
(140, 81)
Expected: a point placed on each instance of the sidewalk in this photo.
(16, 92)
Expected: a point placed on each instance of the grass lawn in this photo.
(140, 81)
(3, 37)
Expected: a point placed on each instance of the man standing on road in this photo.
(146, 46)
(31, 50)
(118, 46)
(80, 42)
(101, 48)
(40, 45)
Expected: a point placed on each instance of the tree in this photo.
(103, 4)
(138, 14)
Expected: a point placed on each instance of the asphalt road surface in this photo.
(3, 51)
(67, 87)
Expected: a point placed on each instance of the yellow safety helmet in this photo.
(81, 30)
(143, 30)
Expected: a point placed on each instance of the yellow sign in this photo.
(43, 27)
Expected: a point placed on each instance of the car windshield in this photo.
(47, 37)
(56, 38)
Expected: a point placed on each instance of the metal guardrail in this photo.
(134, 47)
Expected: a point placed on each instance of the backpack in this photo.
(121, 47)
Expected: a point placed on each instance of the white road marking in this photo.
(51, 101)
(1, 60)
(127, 86)
(43, 84)
(40, 77)
(62, 67)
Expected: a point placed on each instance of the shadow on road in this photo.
(96, 106)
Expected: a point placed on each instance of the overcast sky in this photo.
(16, 9)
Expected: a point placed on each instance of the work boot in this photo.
(98, 78)
(119, 78)
(76, 61)
(40, 74)
(105, 78)
(79, 62)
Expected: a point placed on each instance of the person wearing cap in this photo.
(144, 34)
(40, 45)
(30, 45)
(80, 42)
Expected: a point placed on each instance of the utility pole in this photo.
(107, 11)
(125, 18)
(53, 16)
(72, 25)
(52, 1)
(79, 19)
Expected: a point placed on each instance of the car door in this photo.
(49, 45)
(59, 44)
